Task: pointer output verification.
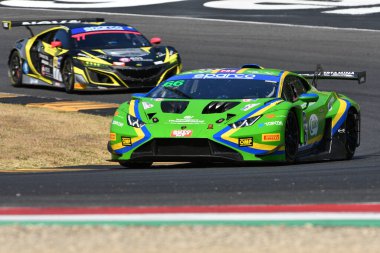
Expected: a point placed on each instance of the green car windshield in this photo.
(215, 89)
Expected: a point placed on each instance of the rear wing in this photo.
(8, 24)
(319, 73)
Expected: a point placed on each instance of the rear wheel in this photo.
(68, 75)
(15, 69)
(351, 134)
(291, 137)
(135, 165)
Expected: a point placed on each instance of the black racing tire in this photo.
(135, 165)
(351, 135)
(291, 138)
(15, 69)
(68, 75)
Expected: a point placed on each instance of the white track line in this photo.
(200, 19)
(194, 217)
(355, 11)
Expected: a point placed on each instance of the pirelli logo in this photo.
(271, 137)
(126, 141)
(246, 142)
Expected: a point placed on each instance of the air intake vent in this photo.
(219, 107)
(174, 106)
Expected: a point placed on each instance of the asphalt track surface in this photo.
(205, 43)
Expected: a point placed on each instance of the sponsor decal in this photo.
(124, 59)
(50, 22)
(44, 62)
(224, 76)
(158, 62)
(187, 120)
(117, 123)
(44, 56)
(126, 53)
(228, 71)
(126, 141)
(271, 137)
(270, 116)
(247, 100)
(210, 126)
(57, 62)
(274, 123)
(248, 107)
(181, 133)
(102, 28)
(313, 125)
(112, 136)
(246, 142)
(147, 105)
(139, 59)
(158, 99)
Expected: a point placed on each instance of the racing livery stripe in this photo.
(279, 91)
(142, 133)
(224, 136)
(340, 117)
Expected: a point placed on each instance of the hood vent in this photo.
(219, 107)
(174, 106)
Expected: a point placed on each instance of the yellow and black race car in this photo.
(87, 54)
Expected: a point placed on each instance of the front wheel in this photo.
(291, 137)
(135, 165)
(68, 75)
(15, 69)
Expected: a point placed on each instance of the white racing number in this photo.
(83, 3)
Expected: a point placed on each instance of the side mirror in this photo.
(155, 40)
(56, 43)
(309, 97)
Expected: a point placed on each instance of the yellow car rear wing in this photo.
(9, 24)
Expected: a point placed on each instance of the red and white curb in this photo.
(324, 214)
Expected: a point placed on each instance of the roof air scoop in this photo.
(174, 106)
(219, 107)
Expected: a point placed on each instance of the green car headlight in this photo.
(134, 122)
(245, 122)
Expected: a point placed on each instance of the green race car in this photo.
(237, 114)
